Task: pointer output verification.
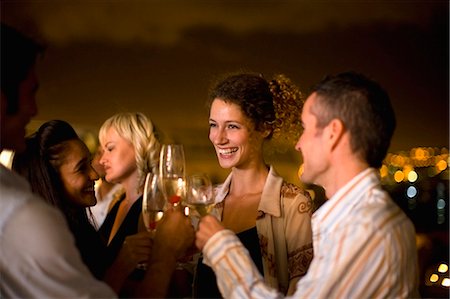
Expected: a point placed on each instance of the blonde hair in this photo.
(137, 129)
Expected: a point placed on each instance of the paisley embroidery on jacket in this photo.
(264, 243)
(305, 207)
(290, 190)
(299, 260)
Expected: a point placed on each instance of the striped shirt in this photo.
(364, 247)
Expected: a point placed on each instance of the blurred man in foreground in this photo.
(38, 257)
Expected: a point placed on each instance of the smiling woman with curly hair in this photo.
(271, 216)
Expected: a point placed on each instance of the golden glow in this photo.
(419, 154)
(442, 268)
(300, 171)
(90, 140)
(399, 160)
(434, 277)
(384, 171)
(445, 282)
(412, 176)
(6, 158)
(441, 165)
(311, 193)
(399, 176)
(430, 161)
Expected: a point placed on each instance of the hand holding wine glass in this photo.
(172, 171)
(199, 197)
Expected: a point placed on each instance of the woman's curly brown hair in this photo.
(275, 105)
(288, 103)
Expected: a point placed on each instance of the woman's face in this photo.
(236, 141)
(118, 158)
(77, 175)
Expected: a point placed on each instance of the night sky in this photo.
(160, 58)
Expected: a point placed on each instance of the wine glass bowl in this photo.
(172, 171)
(153, 202)
(199, 193)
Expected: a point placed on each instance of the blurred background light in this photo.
(411, 191)
(443, 268)
(399, 176)
(6, 157)
(412, 176)
(434, 277)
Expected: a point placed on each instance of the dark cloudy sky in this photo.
(160, 57)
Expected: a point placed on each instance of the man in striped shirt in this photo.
(364, 245)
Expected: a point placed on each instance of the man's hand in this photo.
(174, 235)
(208, 226)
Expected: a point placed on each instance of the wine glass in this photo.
(199, 197)
(153, 202)
(172, 172)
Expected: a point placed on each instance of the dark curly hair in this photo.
(275, 105)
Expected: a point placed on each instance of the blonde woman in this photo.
(131, 149)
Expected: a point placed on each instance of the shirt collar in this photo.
(345, 198)
(271, 190)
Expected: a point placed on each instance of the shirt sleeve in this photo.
(237, 276)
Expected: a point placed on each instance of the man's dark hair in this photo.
(18, 55)
(365, 109)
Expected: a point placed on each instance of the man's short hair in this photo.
(18, 55)
(365, 109)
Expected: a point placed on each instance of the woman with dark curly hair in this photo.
(271, 216)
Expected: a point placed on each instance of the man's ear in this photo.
(335, 130)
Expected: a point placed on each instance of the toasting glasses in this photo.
(199, 197)
(153, 202)
(172, 173)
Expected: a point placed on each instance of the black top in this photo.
(90, 246)
(205, 285)
(128, 227)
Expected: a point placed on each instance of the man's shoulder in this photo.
(381, 212)
(17, 200)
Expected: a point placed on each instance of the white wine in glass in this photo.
(172, 172)
(153, 202)
(199, 197)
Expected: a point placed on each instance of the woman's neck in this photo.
(132, 190)
(249, 181)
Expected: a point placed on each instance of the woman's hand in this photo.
(135, 249)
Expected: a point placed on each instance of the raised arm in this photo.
(237, 276)
(174, 236)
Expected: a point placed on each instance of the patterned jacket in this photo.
(284, 229)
